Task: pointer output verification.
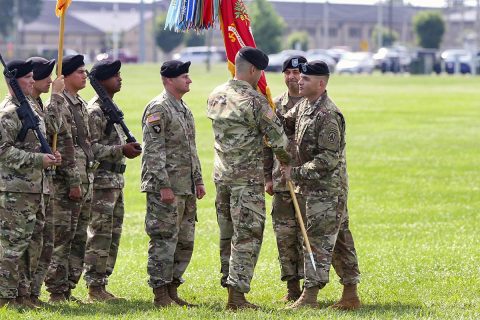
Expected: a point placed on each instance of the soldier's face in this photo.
(113, 84)
(181, 84)
(291, 77)
(78, 79)
(26, 83)
(43, 85)
(309, 86)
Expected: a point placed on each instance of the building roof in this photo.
(108, 21)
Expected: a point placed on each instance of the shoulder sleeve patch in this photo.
(154, 118)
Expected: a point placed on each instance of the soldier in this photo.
(107, 212)
(240, 118)
(72, 183)
(41, 245)
(172, 178)
(322, 177)
(21, 188)
(285, 225)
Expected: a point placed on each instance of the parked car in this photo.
(275, 61)
(356, 62)
(323, 55)
(392, 59)
(201, 53)
(124, 55)
(459, 58)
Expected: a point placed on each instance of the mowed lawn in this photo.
(413, 158)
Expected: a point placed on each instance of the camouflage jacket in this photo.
(21, 162)
(241, 117)
(106, 148)
(283, 103)
(169, 158)
(74, 169)
(320, 139)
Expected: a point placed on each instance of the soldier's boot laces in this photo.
(173, 293)
(349, 299)
(162, 298)
(57, 297)
(113, 297)
(293, 291)
(237, 301)
(97, 294)
(307, 299)
(36, 301)
(25, 302)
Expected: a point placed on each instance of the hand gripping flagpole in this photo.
(298, 214)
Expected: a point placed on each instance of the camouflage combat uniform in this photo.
(107, 213)
(285, 225)
(322, 178)
(241, 117)
(22, 184)
(71, 218)
(169, 160)
(41, 243)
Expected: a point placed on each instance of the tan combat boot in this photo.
(162, 299)
(237, 301)
(307, 299)
(25, 302)
(349, 299)
(173, 293)
(113, 297)
(36, 301)
(57, 297)
(293, 291)
(97, 294)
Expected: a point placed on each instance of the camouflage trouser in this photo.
(17, 221)
(171, 228)
(288, 235)
(42, 244)
(241, 219)
(330, 239)
(104, 233)
(71, 221)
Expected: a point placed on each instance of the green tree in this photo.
(193, 39)
(298, 40)
(165, 39)
(388, 38)
(429, 27)
(267, 26)
(28, 11)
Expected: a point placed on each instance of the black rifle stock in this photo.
(25, 112)
(112, 112)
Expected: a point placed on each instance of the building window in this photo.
(354, 32)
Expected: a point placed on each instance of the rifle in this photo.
(29, 119)
(112, 112)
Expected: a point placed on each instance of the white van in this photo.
(200, 54)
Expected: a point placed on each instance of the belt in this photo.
(113, 167)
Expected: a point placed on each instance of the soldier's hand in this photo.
(167, 196)
(58, 85)
(132, 150)
(269, 187)
(48, 160)
(75, 193)
(58, 158)
(200, 191)
(286, 171)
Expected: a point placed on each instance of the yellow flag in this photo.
(61, 7)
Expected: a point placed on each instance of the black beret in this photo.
(22, 67)
(42, 68)
(174, 68)
(315, 68)
(293, 62)
(255, 56)
(104, 69)
(71, 63)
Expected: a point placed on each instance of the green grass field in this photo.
(413, 158)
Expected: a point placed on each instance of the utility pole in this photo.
(115, 35)
(379, 24)
(326, 24)
(142, 32)
(390, 19)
